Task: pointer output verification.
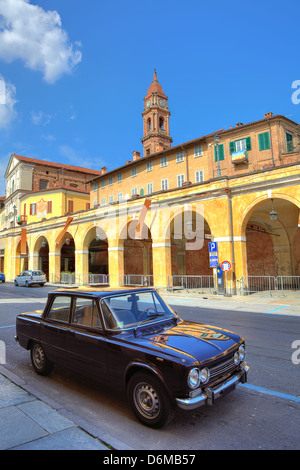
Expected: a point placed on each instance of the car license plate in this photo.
(229, 389)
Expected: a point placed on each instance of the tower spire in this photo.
(156, 119)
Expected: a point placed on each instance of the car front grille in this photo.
(223, 368)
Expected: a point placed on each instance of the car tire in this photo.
(149, 400)
(42, 285)
(26, 284)
(40, 362)
(15, 283)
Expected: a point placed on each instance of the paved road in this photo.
(263, 414)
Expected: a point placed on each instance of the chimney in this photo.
(268, 115)
(103, 170)
(239, 124)
(136, 155)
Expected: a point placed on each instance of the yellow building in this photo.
(151, 220)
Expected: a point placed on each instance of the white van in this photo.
(27, 278)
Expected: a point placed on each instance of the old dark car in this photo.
(133, 339)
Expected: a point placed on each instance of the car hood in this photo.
(194, 340)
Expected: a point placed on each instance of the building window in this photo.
(110, 181)
(264, 141)
(149, 166)
(70, 206)
(87, 206)
(119, 178)
(198, 151)
(164, 184)
(134, 191)
(95, 186)
(240, 145)
(220, 152)
(110, 199)
(103, 201)
(43, 184)
(133, 172)
(49, 207)
(142, 192)
(102, 184)
(179, 156)
(163, 161)
(289, 142)
(180, 180)
(199, 176)
(120, 197)
(149, 188)
(32, 209)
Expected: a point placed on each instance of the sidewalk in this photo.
(28, 423)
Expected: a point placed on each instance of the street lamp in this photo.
(217, 140)
(273, 214)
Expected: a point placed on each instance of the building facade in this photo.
(152, 219)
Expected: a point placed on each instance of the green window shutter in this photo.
(221, 152)
(142, 192)
(231, 147)
(264, 141)
(248, 143)
(289, 142)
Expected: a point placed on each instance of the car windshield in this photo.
(134, 309)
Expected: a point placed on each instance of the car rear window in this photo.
(37, 273)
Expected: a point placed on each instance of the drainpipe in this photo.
(186, 164)
(228, 192)
(273, 164)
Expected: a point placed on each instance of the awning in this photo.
(23, 241)
(60, 236)
(139, 227)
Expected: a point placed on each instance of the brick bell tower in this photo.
(156, 119)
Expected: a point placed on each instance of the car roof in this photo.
(99, 292)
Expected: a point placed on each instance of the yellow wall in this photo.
(60, 200)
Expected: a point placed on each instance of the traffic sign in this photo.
(226, 265)
(213, 247)
(213, 255)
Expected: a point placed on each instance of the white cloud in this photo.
(40, 118)
(7, 103)
(36, 36)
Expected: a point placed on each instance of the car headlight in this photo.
(194, 378)
(242, 352)
(204, 375)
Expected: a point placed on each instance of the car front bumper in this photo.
(210, 394)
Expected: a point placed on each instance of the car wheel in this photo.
(26, 284)
(40, 362)
(149, 400)
(42, 285)
(15, 283)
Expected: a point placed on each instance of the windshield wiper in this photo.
(151, 317)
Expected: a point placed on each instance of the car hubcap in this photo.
(38, 357)
(146, 400)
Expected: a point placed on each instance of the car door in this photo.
(21, 279)
(54, 327)
(86, 341)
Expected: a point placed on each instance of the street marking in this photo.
(22, 301)
(286, 396)
(279, 308)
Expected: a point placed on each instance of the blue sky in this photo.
(75, 72)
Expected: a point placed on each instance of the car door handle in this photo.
(58, 329)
